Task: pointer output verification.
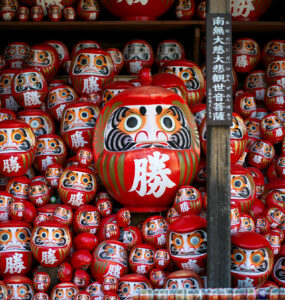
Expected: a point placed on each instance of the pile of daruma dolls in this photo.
(81, 159)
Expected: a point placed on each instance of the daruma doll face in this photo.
(145, 130)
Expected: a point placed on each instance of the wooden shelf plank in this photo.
(101, 25)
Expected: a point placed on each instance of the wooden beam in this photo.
(218, 173)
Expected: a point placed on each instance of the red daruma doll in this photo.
(17, 148)
(146, 141)
(91, 69)
(50, 243)
(187, 243)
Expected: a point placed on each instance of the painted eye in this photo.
(239, 257)
(237, 183)
(17, 137)
(167, 123)
(84, 115)
(35, 124)
(43, 235)
(187, 285)
(173, 285)
(34, 79)
(22, 236)
(256, 258)
(133, 123)
(178, 242)
(2, 137)
(125, 290)
(73, 178)
(5, 237)
(99, 62)
(185, 75)
(22, 291)
(194, 240)
(111, 250)
(57, 235)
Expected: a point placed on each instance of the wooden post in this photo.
(219, 116)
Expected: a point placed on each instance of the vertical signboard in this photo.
(219, 69)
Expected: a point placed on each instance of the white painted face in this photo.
(49, 146)
(80, 181)
(64, 293)
(262, 149)
(20, 291)
(142, 256)
(95, 289)
(113, 252)
(15, 239)
(137, 51)
(39, 58)
(91, 64)
(79, 118)
(16, 52)
(182, 283)
(38, 123)
(59, 49)
(240, 187)
(169, 51)
(191, 244)
(143, 126)
(5, 83)
(60, 95)
(50, 237)
(237, 129)
(27, 82)
(127, 289)
(14, 140)
(249, 262)
(155, 228)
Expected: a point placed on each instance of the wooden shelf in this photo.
(113, 26)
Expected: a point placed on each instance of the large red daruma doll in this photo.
(146, 146)
(17, 148)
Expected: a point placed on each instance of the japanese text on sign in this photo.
(219, 69)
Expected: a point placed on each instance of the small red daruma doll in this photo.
(157, 278)
(161, 258)
(275, 216)
(77, 186)
(252, 260)
(6, 199)
(88, 10)
(36, 13)
(3, 291)
(54, 13)
(141, 259)
(41, 281)
(235, 217)
(275, 97)
(280, 166)
(45, 59)
(185, 10)
(183, 279)
(131, 284)
(245, 105)
(39, 193)
(272, 129)
(15, 250)
(63, 214)
(242, 188)
(192, 77)
(255, 83)
(262, 225)
(23, 14)
(273, 50)
(18, 187)
(58, 98)
(246, 223)
(19, 287)
(69, 13)
(53, 173)
(246, 55)
(238, 137)
(8, 10)
(188, 201)
(275, 72)
(90, 70)
(168, 50)
(84, 156)
(86, 219)
(123, 217)
(187, 243)
(117, 59)
(50, 149)
(77, 124)
(154, 231)
(83, 295)
(95, 289)
(109, 258)
(138, 54)
(40, 121)
(50, 243)
(17, 148)
(130, 236)
(64, 291)
(110, 284)
(16, 53)
(260, 154)
(274, 239)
